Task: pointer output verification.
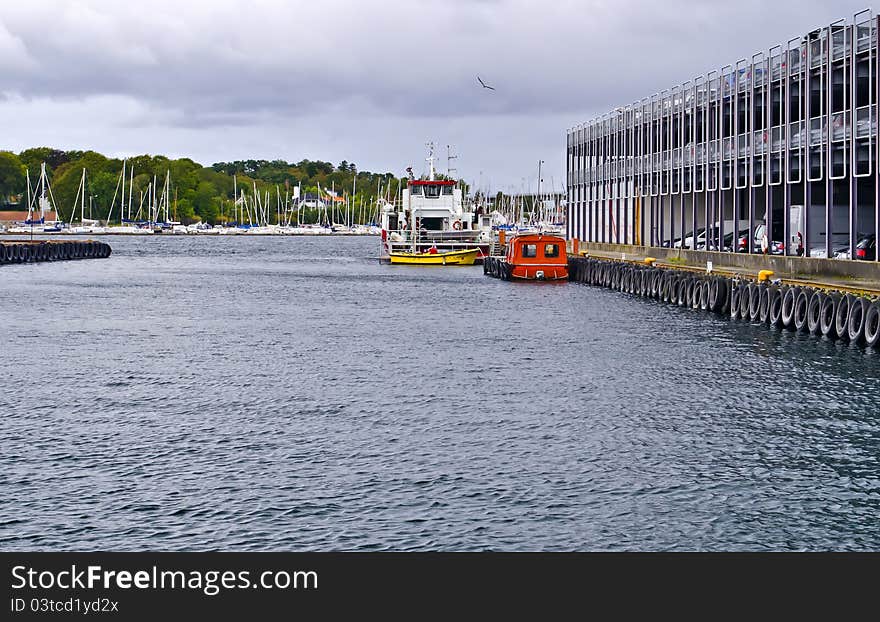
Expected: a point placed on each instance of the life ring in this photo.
(456, 225)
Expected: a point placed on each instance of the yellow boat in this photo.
(451, 258)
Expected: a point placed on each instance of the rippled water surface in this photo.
(294, 394)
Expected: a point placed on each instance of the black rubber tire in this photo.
(788, 304)
(696, 288)
(841, 318)
(774, 315)
(704, 295)
(814, 313)
(684, 292)
(735, 295)
(764, 305)
(718, 303)
(827, 316)
(745, 300)
(801, 308)
(755, 293)
(872, 324)
(858, 308)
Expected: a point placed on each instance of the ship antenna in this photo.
(449, 159)
(430, 160)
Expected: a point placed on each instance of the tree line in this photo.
(198, 193)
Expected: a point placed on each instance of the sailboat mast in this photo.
(82, 203)
(122, 200)
(42, 190)
(130, 187)
(27, 175)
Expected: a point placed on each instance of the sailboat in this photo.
(86, 225)
(126, 225)
(46, 202)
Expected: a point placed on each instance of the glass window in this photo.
(432, 191)
(447, 190)
(415, 190)
(530, 250)
(551, 250)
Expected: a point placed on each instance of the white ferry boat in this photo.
(431, 214)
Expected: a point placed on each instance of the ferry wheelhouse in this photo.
(533, 257)
(431, 213)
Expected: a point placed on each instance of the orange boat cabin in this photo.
(535, 256)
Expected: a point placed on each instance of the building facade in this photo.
(786, 138)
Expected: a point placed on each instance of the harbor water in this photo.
(269, 393)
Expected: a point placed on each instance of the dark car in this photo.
(866, 249)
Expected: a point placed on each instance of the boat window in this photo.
(414, 190)
(551, 250)
(530, 250)
(447, 189)
(431, 224)
(432, 191)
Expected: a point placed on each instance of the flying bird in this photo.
(484, 85)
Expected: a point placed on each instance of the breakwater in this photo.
(820, 311)
(44, 250)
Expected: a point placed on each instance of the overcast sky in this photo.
(369, 81)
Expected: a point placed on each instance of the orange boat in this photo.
(533, 257)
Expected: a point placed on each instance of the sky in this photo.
(367, 81)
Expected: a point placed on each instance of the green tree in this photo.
(104, 186)
(206, 203)
(11, 176)
(34, 157)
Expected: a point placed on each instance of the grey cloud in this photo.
(227, 64)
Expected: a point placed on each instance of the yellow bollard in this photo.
(764, 275)
(650, 260)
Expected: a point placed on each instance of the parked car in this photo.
(689, 240)
(773, 247)
(839, 250)
(713, 243)
(866, 249)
